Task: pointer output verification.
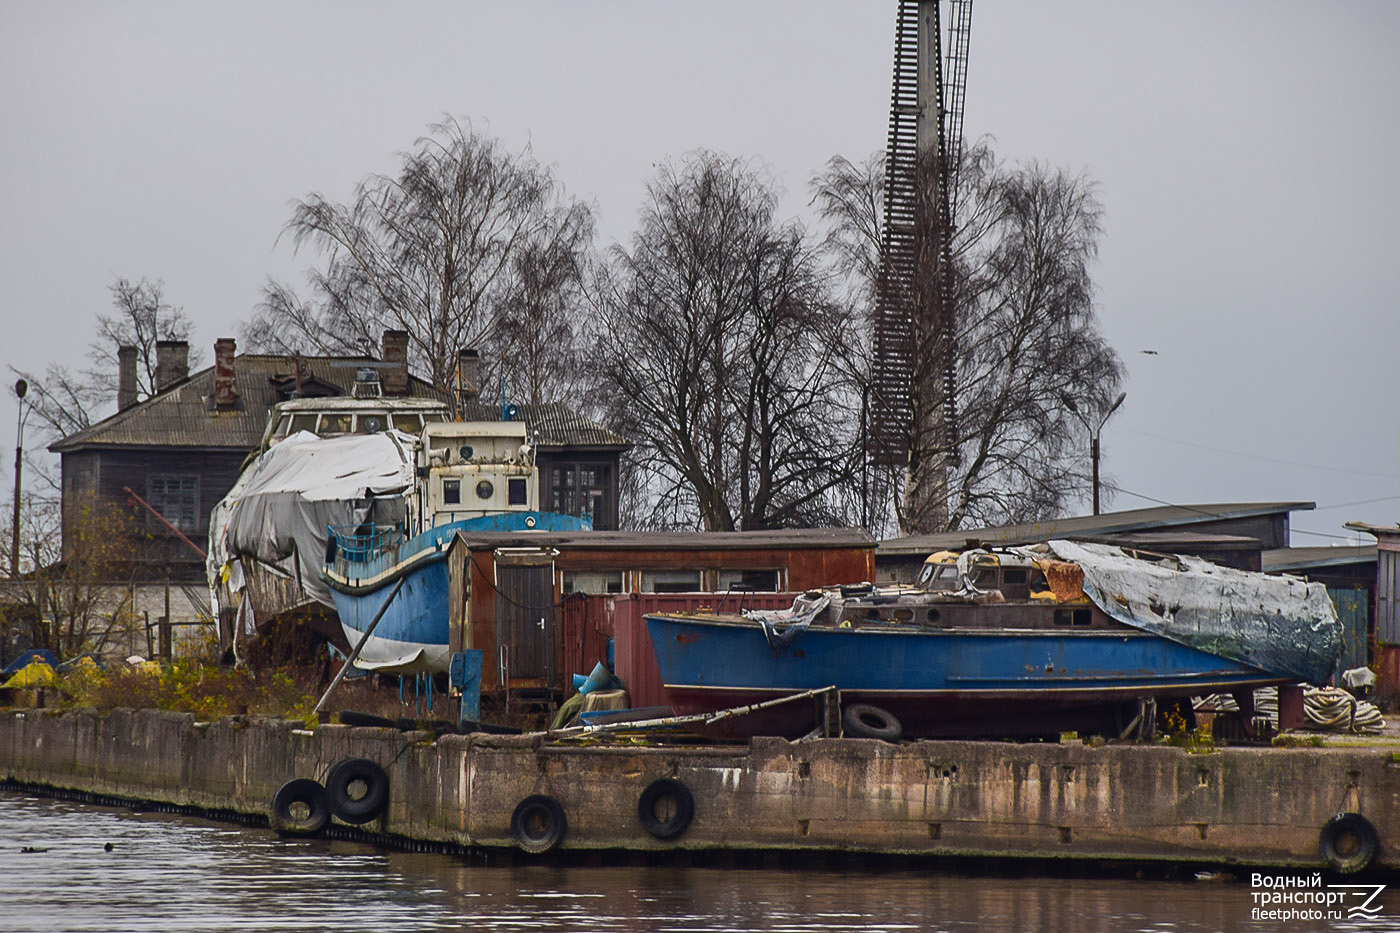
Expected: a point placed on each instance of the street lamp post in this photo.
(21, 389)
(1094, 432)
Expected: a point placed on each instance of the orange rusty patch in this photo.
(1066, 580)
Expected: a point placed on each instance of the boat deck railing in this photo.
(360, 543)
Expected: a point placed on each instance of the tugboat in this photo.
(1016, 642)
(471, 476)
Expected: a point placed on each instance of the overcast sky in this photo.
(1246, 155)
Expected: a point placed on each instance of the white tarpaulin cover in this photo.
(284, 502)
(1283, 625)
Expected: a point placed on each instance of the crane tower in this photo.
(913, 405)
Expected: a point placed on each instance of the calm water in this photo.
(180, 874)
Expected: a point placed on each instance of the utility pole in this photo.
(21, 389)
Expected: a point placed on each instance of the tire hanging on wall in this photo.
(538, 823)
(656, 796)
(1348, 843)
(307, 793)
(870, 722)
(340, 782)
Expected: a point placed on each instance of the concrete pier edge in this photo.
(1061, 803)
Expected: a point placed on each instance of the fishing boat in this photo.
(324, 460)
(1068, 635)
(390, 580)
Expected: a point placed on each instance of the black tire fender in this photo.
(343, 776)
(658, 792)
(1347, 843)
(870, 722)
(538, 823)
(308, 793)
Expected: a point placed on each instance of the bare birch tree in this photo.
(718, 346)
(1027, 336)
(468, 246)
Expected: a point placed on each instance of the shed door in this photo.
(1387, 597)
(1353, 605)
(525, 619)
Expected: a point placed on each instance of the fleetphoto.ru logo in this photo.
(1305, 897)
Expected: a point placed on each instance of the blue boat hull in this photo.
(993, 682)
(412, 634)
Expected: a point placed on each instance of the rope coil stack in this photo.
(1325, 709)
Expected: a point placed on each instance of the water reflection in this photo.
(180, 874)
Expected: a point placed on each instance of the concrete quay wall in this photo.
(1255, 806)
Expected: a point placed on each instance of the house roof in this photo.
(1131, 520)
(552, 424)
(180, 416)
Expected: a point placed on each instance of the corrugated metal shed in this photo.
(1130, 520)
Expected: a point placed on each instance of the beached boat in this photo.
(477, 476)
(1024, 642)
(321, 461)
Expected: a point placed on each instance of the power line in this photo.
(1322, 534)
(1237, 453)
(1342, 505)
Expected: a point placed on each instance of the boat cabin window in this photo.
(1074, 616)
(671, 581)
(284, 426)
(451, 491)
(408, 423)
(515, 491)
(335, 424)
(371, 423)
(305, 421)
(939, 576)
(1013, 575)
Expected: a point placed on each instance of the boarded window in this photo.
(671, 581)
(176, 497)
(761, 581)
(593, 581)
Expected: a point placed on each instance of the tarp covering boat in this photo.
(282, 505)
(1283, 625)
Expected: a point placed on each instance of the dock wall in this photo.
(1255, 806)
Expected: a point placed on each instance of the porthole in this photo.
(484, 489)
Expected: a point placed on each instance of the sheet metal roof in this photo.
(1305, 558)
(784, 539)
(180, 417)
(1131, 520)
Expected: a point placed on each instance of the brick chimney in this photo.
(172, 362)
(225, 379)
(126, 377)
(394, 349)
(468, 374)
